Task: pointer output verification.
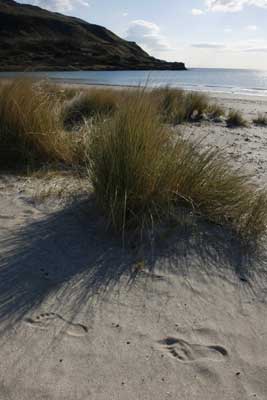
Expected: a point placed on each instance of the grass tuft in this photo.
(195, 104)
(215, 111)
(177, 106)
(30, 129)
(141, 176)
(128, 165)
(171, 104)
(89, 104)
(261, 120)
(235, 119)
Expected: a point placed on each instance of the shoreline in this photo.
(248, 104)
(212, 93)
(66, 82)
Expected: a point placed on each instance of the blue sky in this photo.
(202, 33)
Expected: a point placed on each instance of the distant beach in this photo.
(230, 81)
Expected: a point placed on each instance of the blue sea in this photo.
(235, 81)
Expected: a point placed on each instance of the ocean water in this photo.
(235, 81)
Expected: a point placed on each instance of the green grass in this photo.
(261, 120)
(142, 176)
(89, 104)
(235, 119)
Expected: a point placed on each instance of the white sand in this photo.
(83, 319)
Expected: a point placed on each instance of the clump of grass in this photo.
(235, 119)
(30, 129)
(89, 104)
(171, 104)
(206, 181)
(195, 103)
(261, 120)
(177, 106)
(215, 111)
(141, 176)
(59, 92)
(128, 166)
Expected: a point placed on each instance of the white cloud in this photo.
(148, 35)
(228, 30)
(208, 45)
(251, 28)
(125, 14)
(57, 5)
(251, 46)
(233, 5)
(197, 11)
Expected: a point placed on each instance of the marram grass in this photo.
(261, 119)
(30, 129)
(141, 175)
(141, 172)
(236, 119)
(177, 106)
(94, 103)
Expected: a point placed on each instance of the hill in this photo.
(37, 39)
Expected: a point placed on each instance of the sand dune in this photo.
(83, 318)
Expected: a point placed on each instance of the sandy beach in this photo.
(82, 318)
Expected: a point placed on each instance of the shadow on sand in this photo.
(68, 254)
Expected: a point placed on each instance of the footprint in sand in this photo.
(186, 352)
(46, 320)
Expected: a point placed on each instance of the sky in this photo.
(201, 33)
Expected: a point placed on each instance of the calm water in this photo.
(237, 81)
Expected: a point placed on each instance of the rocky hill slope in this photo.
(36, 39)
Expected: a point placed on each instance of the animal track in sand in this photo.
(188, 352)
(46, 320)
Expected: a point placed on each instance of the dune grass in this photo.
(171, 104)
(89, 104)
(128, 166)
(142, 176)
(235, 119)
(178, 106)
(215, 111)
(261, 120)
(30, 129)
(141, 171)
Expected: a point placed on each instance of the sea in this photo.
(231, 81)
